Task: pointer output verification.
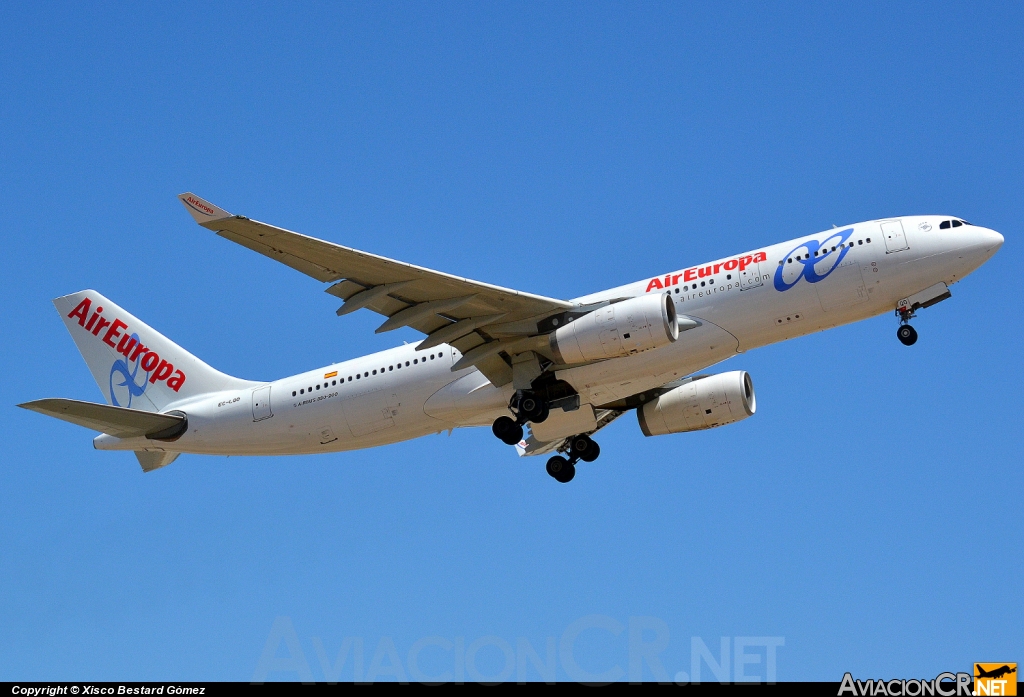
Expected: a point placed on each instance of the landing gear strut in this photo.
(906, 334)
(580, 447)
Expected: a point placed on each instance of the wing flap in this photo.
(117, 421)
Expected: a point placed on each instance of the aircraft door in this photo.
(895, 238)
(752, 276)
(261, 404)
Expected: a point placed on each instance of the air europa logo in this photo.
(136, 356)
(121, 367)
(698, 272)
(815, 261)
(199, 205)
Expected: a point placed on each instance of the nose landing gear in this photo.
(580, 447)
(906, 334)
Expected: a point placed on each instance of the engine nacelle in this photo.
(707, 402)
(620, 329)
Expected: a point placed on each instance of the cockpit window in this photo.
(946, 224)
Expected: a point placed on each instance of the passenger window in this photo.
(366, 375)
(868, 240)
(944, 225)
(357, 376)
(375, 372)
(302, 392)
(407, 364)
(957, 223)
(293, 393)
(677, 291)
(729, 277)
(702, 284)
(333, 383)
(711, 281)
(391, 367)
(318, 387)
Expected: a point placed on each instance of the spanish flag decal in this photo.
(331, 375)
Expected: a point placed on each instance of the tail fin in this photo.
(134, 365)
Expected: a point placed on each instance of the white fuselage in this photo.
(742, 302)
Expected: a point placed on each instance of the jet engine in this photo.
(704, 402)
(620, 329)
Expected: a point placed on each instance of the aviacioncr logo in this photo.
(812, 260)
(129, 387)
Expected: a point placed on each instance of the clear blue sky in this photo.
(865, 514)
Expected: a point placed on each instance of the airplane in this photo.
(493, 356)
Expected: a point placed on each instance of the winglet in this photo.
(202, 211)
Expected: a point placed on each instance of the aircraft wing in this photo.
(479, 319)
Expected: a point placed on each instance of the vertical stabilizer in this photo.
(134, 365)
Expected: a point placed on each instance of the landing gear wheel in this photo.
(907, 335)
(561, 469)
(532, 409)
(583, 448)
(507, 430)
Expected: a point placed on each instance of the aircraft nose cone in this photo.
(993, 240)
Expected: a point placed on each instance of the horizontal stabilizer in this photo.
(117, 421)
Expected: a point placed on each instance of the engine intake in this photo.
(715, 400)
(620, 329)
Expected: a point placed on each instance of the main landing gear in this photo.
(906, 334)
(527, 407)
(580, 447)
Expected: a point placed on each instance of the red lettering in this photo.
(675, 279)
(93, 320)
(730, 265)
(162, 372)
(82, 311)
(140, 349)
(114, 332)
(99, 326)
(125, 345)
(150, 360)
(718, 267)
(760, 256)
(704, 271)
(689, 275)
(745, 262)
(655, 283)
(177, 381)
